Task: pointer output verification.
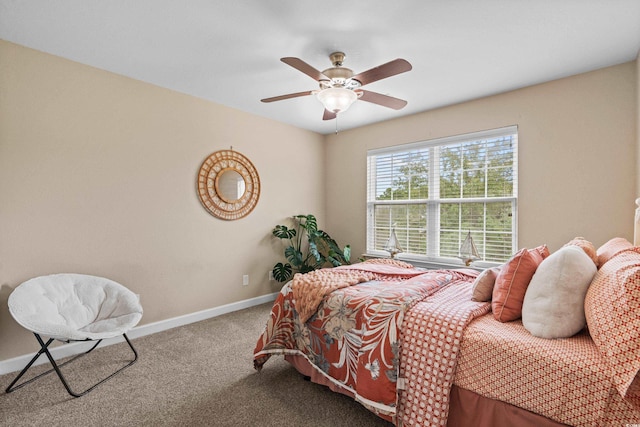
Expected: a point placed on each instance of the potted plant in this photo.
(307, 248)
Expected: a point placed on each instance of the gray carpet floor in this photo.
(196, 375)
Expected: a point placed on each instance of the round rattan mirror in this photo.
(228, 185)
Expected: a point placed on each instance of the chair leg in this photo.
(26, 368)
(44, 348)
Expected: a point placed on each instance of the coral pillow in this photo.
(612, 247)
(511, 284)
(611, 306)
(483, 285)
(553, 306)
(586, 246)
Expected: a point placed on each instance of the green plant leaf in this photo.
(331, 257)
(310, 223)
(335, 251)
(294, 256)
(347, 254)
(282, 232)
(282, 272)
(307, 268)
(313, 250)
(310, 248)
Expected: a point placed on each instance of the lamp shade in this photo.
(392, 246)
(468, 250)
(337, 99)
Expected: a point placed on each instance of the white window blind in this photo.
(434, 192)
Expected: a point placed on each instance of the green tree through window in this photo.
(434, 192)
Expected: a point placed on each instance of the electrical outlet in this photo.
(245, 280)
(271, 279)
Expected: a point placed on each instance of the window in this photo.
(434, 192)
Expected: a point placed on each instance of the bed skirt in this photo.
(466, 407)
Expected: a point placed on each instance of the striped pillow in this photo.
(512, 282)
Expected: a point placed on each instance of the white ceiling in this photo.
(227, 51)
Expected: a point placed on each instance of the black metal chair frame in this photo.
(44, 348)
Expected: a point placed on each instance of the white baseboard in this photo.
(17, 363)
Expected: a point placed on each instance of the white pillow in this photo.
(553, 306)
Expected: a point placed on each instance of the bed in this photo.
(543, 340)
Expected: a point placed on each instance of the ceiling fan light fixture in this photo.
(337, 99)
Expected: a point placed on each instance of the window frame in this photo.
(434, 201)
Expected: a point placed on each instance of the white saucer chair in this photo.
(73, 307)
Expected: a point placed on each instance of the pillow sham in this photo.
(553, 306)
(586, 246)
(483, 285)
(611, 307)
(609, 249)
(512, 281)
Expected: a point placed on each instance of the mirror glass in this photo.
(230, 185)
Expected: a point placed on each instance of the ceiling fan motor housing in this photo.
(339, 76)
(337, 58)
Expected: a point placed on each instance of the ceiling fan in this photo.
(339, 87)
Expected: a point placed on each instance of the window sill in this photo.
(432, 264)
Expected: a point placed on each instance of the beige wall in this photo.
(638, 124)
(577, 156)
(98, 176)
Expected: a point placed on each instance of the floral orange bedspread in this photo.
(353, 338)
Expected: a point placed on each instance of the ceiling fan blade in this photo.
(383, 71)
(328, 115)
(290, 95)
(300, 65)
(384, 100)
